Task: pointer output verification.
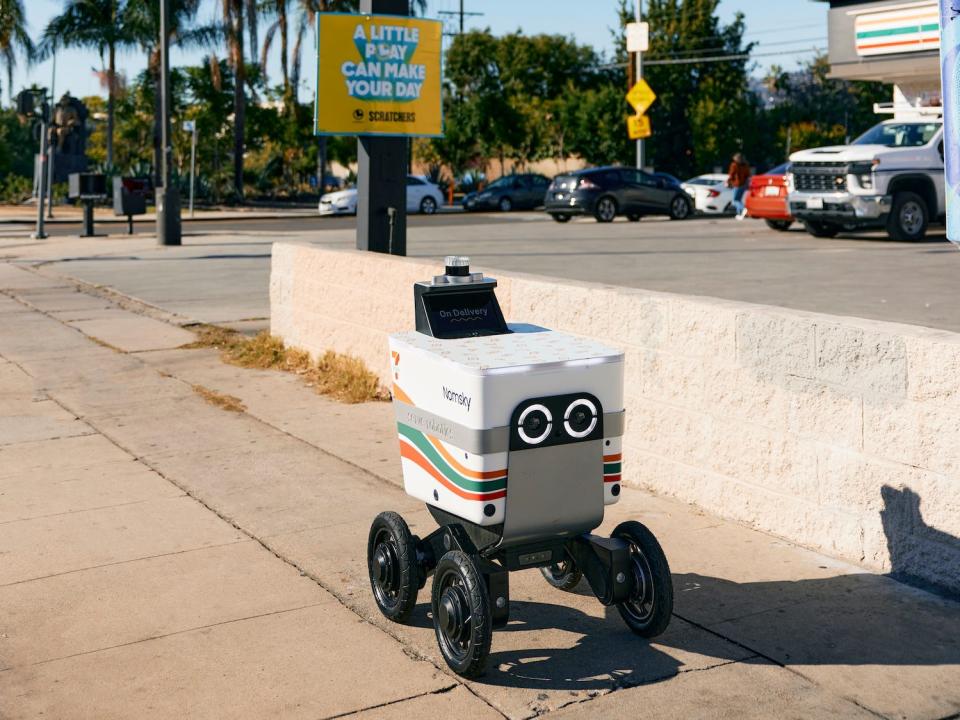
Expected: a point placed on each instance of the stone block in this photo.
(745, 394)
(861, 359)
(934, 369)
(670, 432)
(700, 328)
(775, 342)
(536, 302)
(824, 412)
(674, 379)
(920, 434)
(755, 455)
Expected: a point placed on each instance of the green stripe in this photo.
(611, 468)
(929, 27)
(423, 445)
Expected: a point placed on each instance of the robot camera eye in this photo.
(580, 418)
(534, 424)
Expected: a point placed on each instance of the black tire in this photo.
(908, 218)
(779, 225)
(650, 606)
(428, 206)
(564, 575)
(392, 565)
(680, 208)
(560, 218)
(505, 204)
(634, 217)
(821, 229)
(605, 209)
(461, 614)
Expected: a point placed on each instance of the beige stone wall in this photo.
(838, 433)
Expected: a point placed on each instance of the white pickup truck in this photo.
(890, 177)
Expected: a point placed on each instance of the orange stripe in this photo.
(611, 478)
(401, 395)
(612, 458)
(410, 453)
(887, 21)
(894, 44)
(477, 474)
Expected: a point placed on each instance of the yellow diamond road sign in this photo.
(641, 96)
(638, 127)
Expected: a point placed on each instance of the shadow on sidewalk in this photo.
(856, 620)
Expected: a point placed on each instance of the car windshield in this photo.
(500, 182)
(898, 134)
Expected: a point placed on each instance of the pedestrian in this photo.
(738, 177)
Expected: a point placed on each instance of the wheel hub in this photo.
(911, 217)
(452, 613)
(385, 566)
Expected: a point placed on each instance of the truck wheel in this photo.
(779, 225)
(908, 217)
(821, 229)
(560, 218)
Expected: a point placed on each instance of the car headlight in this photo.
(535, 424)
(864, 173)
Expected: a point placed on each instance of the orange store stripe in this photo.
(612, 458)
(401, 395)
(900, 19)
(410, 453)
(611, 478)
(900, 42)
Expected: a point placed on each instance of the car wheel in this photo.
(505, 204)
(908, 217)
(821, 229)
(428, 206)
(605, 210)
(779, 225)
(560, 218)
(679, 208)
(634, 217)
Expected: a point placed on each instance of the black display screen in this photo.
(464, 314)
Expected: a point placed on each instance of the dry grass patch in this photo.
(221, 400)
(342, 377)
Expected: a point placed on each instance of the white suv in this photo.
(890, 177)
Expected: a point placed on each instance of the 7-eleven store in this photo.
(890, 41)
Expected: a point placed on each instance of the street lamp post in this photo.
(168, 198)
(50, 148)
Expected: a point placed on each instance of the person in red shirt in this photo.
(738, 177)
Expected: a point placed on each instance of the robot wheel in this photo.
(392, 564)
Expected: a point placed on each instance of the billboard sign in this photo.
(378, 75)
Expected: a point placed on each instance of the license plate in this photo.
(771, 191)
(815, 204)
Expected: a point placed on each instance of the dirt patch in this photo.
(221, 400)
(342, 377)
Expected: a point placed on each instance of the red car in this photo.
(767, 198)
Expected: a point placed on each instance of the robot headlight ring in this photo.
(569, 411)
(547, 426)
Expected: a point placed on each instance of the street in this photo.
(865, 275)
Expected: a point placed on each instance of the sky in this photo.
(588, 22)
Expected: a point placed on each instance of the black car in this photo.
(508, 193)
(607, 192)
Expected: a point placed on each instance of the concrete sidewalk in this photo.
(164, 557)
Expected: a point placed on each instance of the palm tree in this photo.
(91, 24)
(13, 37)
(141, 18)
(279, 26)
(233, 30)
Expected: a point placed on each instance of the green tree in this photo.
(14, 37)
(94, 24)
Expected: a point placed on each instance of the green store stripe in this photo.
(611, 468)
(929, 27)
(430, 452)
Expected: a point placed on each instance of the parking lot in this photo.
(864, 275)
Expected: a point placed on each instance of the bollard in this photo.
(88, 219)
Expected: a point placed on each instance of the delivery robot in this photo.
(511, 434)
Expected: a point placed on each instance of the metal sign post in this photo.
(639, 78)
(191, 127)
(168, 197)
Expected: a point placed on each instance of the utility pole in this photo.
(639, 78)
(462, 14)
(168, 198)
